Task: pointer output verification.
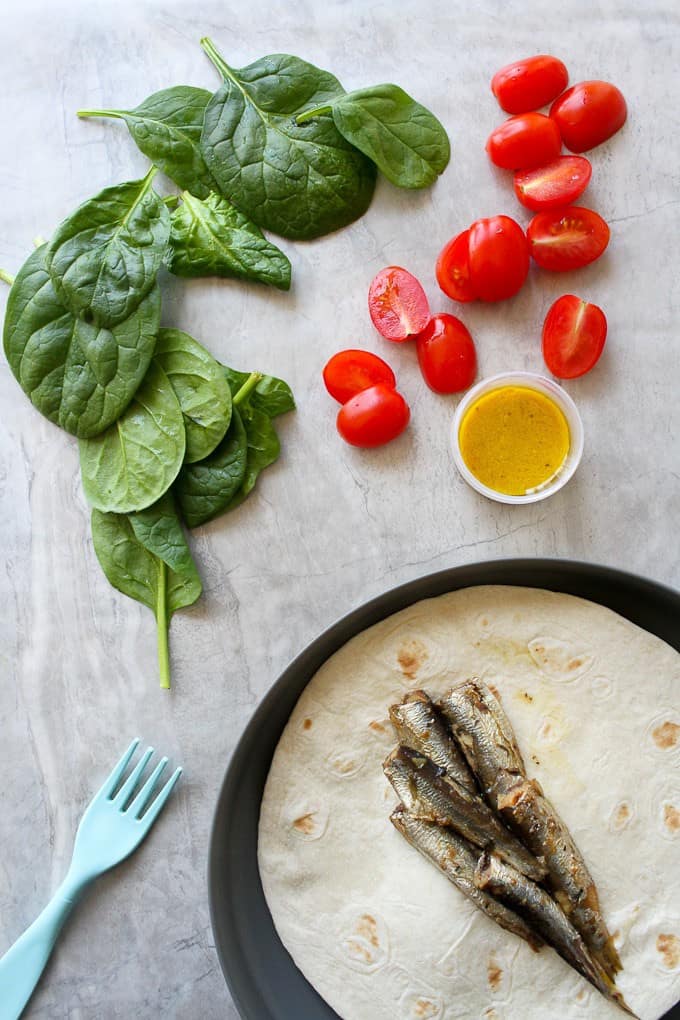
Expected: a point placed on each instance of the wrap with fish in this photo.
(382, 934)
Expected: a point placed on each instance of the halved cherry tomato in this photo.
(453, 269)
(554, 185)
(397, 304)
(588, 114)
(529, 84)
(567, 238)
(574, 333)
(446, 354)
(349, 372)
(498, 257)
(373, 417)
(530, 139)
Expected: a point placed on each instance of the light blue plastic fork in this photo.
(111, 828)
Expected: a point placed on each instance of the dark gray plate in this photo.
(262, 978)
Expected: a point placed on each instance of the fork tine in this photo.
(145, 794)
(128, 787)
(112, 781)
(152, 814)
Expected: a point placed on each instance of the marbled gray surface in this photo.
(329, 526)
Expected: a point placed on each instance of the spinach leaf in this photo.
(201, 388)
(205, 489)
(212, 238)
(80, 376)
(135, 461)
(298, 181)
(263, 448)
(104, 257)
(146, 557)
(167, 129)
(405, 140)
(271, 395)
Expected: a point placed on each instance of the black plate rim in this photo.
(494, 571)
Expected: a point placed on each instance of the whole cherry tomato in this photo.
(574, 333)
(373, 417)
(446, 354)
(554, 185)
(453, 269)
(349, 372)
(397, 304)
(498, 257)
(529, 84)
(530, 139)
(567, 238)
(588, 114)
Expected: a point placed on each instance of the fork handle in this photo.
(24, 962)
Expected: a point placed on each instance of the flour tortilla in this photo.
(374, 927)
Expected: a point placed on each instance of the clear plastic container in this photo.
(549, 389)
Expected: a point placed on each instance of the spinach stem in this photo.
(6, 277)
(247, 388)
(162, 625)
(316, 111)
(39, 241)
(171, 200)
(100, 113)
(215, 58)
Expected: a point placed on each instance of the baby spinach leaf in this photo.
(205, 489)
(298, 181)
(104, 257)
(271, 395)
(135, 461)
(201, 388)
(80, 376)
(212, 238)
(167, 129)
(146, 557)
(405, 140)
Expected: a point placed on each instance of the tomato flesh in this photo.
(574, 333)
(446, 354)
(498, 257)
(349, 372)
(373, 417)
(453, 269)
(397, 304)
(527, 140)
(567, 238)
(588, 114)
(529, 84)
(554, 185)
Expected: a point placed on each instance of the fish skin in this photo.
(539, 910)
(430, 794)
(483, 731)
(457, 859)
(522, 804)
(419, 725)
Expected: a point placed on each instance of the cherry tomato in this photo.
(588, 114)
(528, 84)
(349, 372)
(530, 139)
(499, 258)
(574, 333)
(554, 185)
(446, 354)
(373, 417)
(567, 238)
(453, 269)
(397, 304)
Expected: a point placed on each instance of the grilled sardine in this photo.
(432, 795)
(419, 726)
(457, 859)
(534, 904)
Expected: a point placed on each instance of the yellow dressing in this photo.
(514, 439)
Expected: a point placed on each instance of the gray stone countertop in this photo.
(329, 526)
